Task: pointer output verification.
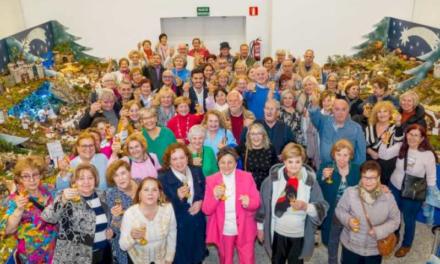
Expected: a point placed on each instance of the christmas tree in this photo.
(66, 42)
(374, 39)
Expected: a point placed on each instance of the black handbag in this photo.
(413, 187)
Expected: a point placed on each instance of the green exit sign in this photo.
(203, 11)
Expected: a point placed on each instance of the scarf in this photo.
(290, 192)
(369, 197)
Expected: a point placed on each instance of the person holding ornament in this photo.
(360, 235)
(415, 158)
(157, 136)
(217, 133)
(202, 156)
(106, 106)
(231, 200)
(149, 229)
(334, 178)
(179, 70)
(119, 198)
(291, 208)
(123, 72)
(142, 163)
(129, 121)
(85, 153)
(182, 122)
(82, 215)
(35, 238)
(384, 121)
(184, 185)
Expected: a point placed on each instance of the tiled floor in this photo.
(419, 254)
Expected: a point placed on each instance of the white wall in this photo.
(113, 27)
(11, 18)
(329, 27)
(427, 12)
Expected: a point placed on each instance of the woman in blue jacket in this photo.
(334, 177)
(184, 186)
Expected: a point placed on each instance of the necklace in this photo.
(179, 130)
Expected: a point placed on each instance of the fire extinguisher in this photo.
(255, 49)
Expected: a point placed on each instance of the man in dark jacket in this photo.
(279, 133)
(198, 92)
(106, 106)
(154, 72)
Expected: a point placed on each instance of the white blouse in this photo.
(160, 235)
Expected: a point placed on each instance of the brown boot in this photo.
(402, 251)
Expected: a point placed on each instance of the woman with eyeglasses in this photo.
(35, 238)
(415, 157)
(85, 153)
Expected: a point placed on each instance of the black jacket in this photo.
(150, 73)
(194, 101)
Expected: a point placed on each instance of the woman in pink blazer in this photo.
(231, 200)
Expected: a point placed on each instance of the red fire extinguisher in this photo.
(255, 49)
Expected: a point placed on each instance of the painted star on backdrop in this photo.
(404, 37)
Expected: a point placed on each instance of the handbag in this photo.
(413, 187)
(386, 245)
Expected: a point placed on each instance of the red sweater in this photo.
(180, 125)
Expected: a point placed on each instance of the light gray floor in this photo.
(419, 254)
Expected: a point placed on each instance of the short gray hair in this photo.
(106, 93)
(196, 130)
(275, 102)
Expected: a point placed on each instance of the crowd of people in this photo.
(180, 150)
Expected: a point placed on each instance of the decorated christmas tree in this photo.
(374, 39)
(66, 42)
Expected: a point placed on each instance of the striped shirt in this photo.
(100, 240)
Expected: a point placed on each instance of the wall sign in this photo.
(203, 11)
(253, 10)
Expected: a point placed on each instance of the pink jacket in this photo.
(215, 209)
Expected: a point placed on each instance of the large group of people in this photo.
(180, 150)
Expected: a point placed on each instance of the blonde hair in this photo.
(219, 115)
(260, 128)
(164, 91)
(293, 150)
(28, 162)
(311, 79)
(148, 112)
(182, 100)
(342, 144)
(84, 135)
(137, 136)
(413, 95)
(387, 105)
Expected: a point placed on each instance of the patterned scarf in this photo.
(369, 197)
(290, 192)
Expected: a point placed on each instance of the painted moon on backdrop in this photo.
(426, 34)
(36, 34)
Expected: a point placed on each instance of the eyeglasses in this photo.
(28, 177)
(370, 178)
(87, 146)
